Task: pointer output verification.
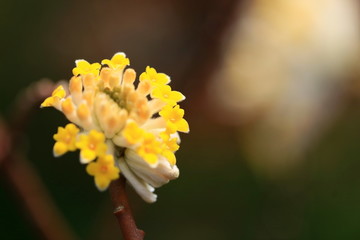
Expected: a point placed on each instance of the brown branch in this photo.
(122, 210)
(5, 142)
(35, 200)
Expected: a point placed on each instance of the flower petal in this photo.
(102, 183)
(141, 187)
(157, 176)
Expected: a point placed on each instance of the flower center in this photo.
(126, 98)
(173, 119)
(68, 138)
(103, 169)
(92, 146)
(118, 96)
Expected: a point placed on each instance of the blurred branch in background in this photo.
(22, 178)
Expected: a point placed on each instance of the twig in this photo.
(122, 210)
(5, 142)
(34, 199)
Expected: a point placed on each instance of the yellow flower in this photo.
(118, 61)
(91, 146)
(149, 149)
(170, 143)
(132, 133)
(57, 94)
(83, 67)
(165, 94)
(104, 171)
(174, 117)
(124, 125)
(170, 146)
(65, 139)
(155, 78)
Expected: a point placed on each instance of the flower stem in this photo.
(122, 210)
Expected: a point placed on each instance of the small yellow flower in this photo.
(83, 67)
(104, 171)
(57, 94)
(174, 117)
(170, 146)
(91, 146)
(155, 78)
(65, 139)
(167, 95)
(118, 61)
(132, 133)
(170, 143)
(149, 148)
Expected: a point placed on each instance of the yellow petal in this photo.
(183, 126)
(56, 95)
(177, 96)
(87, 156)
(59, 92)
(113, 173)
(59, 149)
(133, 133)
(171, 127)
(106, 61)
(170, 156)
(91, 168)
(48, 102)
(150, 158)
(143, 76)
(81, 63)
(71, 128)
(102, 183)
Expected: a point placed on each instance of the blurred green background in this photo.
(220, 194)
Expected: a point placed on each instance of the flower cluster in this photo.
(120, 128)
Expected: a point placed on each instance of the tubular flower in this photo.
(120, 127)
